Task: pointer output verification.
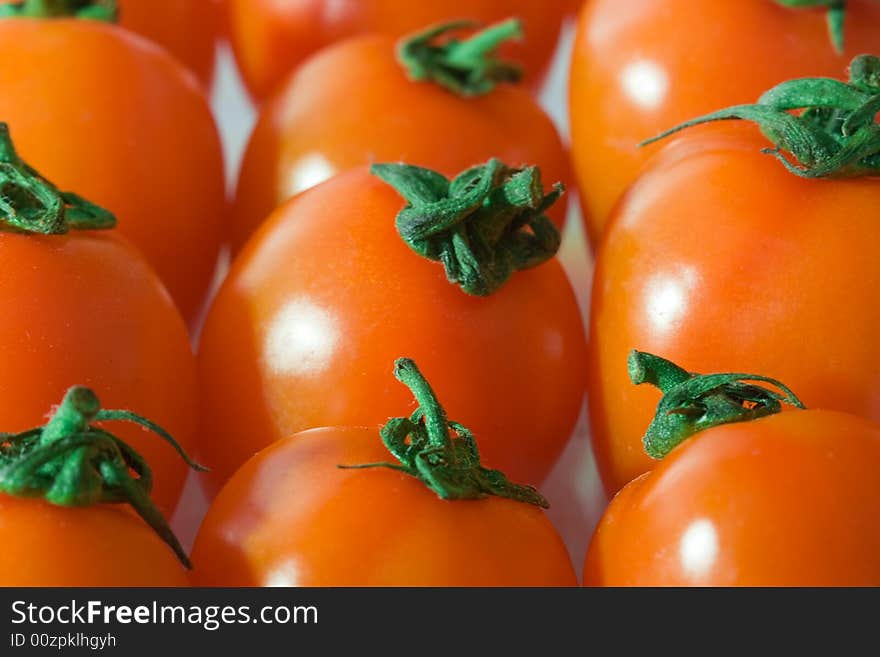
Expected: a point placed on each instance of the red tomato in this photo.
(720, 258)
(187, 28)
(327, 293)
(85, 308)
(291, 517)
(56, 484)
(353, 104)
(787, 500)
(103, 546)
(271, 38)
(642, 66)
(103, 112)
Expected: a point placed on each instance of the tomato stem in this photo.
(442, 454)
(696, 402)
(102, 10)
(835, 136)
(483, 226)
(836, 17)
(466, 67)
(31, 204)
(70, 462)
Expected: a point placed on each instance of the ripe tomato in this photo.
(787, 500)
(102, 546)
(271, 38)
(326, 294)
(291, 517)
(82, 307)
(56, 484)
(103, 112)
(720, 258)
(85, 308)
(187, 28)
(353, 104)
(641, 66)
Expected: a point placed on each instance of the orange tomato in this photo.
(101, 111)
(326, 294)
(102, 546)
(85, 308)
(720, 258)
(640, 67)
(353, 104)
(187, 28)
(271, 38)
(787, 500)
(291, 517)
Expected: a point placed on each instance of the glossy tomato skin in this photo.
(291, 517)
(352, 104)
(789, 500)
(102, 112)
(188, 29)
(98, 546)
(86, 309)
(270, 39)
(640, 67)
(324, 298)
(721, 260)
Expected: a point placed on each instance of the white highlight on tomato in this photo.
(301, 339)
(666, 297)
(698, 548)
(645, 83)
(284, 575)
(308, 171)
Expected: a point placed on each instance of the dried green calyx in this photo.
(101, 10)
(442, 454)
(483, 226)
(73, 462)
(828, 127)
(467, 67)
(696, 402)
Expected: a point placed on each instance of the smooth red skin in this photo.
(720, 260)
(792, 499)
(353, 104)
(86, 309)
(714, 54)
(270, 38)
(102, 112)
(509, 366)
(98, 546)
(291, 517)
(188, 29)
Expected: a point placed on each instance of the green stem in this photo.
(74, 415)
(70, 462)
(31, 204)
(102, 10)
(483, 226)
(834, 135)
(696, 402)
(441, 454)
(836, 17)
(468, 67)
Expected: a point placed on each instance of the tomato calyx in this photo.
(483, 226)
(440, 453)
(465, 67)
(695, 402)
(836, 17)
(101, 10)
(69, 462)
(31, 204)
(836, 135)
